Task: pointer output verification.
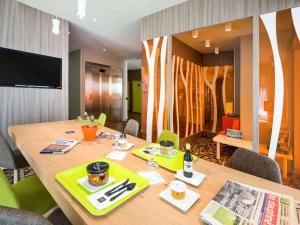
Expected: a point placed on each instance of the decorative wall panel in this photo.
(269, 21)
(154, 70)
(27, 29)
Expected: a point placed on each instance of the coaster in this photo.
(184, 204)
(153, 177)
(195, 180)
(125, 148)
(116, 155)
(85, 183)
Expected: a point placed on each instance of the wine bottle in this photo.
(188, 162)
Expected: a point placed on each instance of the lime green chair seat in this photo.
(101, 120)
(28, 194)
(167, 135)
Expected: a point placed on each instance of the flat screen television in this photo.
(24, 69)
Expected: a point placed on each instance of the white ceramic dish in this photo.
(184, 204)
(85, 183)
(195, 180)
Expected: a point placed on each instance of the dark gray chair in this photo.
(10, 216)
(255, 164)
(10, 159)
(132, 127)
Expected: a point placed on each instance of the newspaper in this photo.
(59, 146)
(239, 204)
(297, 212)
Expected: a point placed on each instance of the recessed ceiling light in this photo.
(195, 33)
(217, 50)
(207, 43)
(94, 19)
(69, 32)
(228, 27)
(104, 50)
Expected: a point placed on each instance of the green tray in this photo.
(69, 178)
(172, 164)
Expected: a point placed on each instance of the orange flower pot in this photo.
(89, 133)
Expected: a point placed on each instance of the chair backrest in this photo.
(10, 216)
(132, 127)
(167, 135)
(102, 119)
(7, 159)
(8, 197)
(255, 164)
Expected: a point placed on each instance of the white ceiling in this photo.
(117, 25)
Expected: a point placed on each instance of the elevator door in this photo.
(103, 92)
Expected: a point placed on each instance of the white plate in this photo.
(184, 204)
(85, 183)
(127, 147)
(195, 180)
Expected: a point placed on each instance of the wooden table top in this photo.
(146, 208)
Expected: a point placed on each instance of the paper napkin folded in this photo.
(116, 155)
(153, 177)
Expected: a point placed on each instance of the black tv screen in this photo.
(23, 69)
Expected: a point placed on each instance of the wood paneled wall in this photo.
(200, 13)
(27, 29)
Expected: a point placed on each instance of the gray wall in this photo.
(74, 83)
(200, 13)
(27, 29)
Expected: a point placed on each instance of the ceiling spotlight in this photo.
(55, 26)
(81, 13)
(94, 19)
(104, 50)
(195, 33)
(207, 43)
(217, 51)
(228, 27)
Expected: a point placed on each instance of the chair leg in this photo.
(22, 174)
(15, 176)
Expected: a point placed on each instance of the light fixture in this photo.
(104, 50)
(195, 33)
(81, 12)
(133, 58)
(228, 27)
(55, 26)
(207, 43)
(217, 50)
(94, 19)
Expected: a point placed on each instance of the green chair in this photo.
(101, 120)
(28, 194)
(167, 135)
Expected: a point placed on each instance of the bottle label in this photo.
(188, 167)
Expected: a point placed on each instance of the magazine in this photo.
(239, 204)
(59, 146)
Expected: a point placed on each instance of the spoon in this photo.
(130, 187)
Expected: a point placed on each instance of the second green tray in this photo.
(172, 164)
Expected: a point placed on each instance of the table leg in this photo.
(284, 168)
(218, 151)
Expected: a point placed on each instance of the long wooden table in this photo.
(146, 208)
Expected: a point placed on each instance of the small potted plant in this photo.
(90, 127)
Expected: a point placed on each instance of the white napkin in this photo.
(116, 155)
(153, 177)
